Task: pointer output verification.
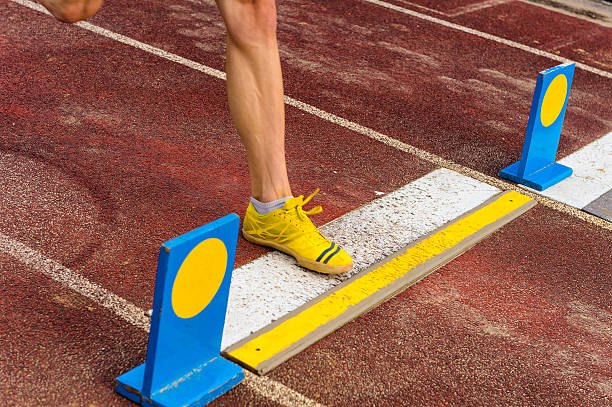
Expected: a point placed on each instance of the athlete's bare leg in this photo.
(255, 93)
(71, 11)
(254, 85)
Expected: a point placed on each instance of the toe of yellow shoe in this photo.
(341, 258)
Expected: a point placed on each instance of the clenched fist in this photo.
(71, 11)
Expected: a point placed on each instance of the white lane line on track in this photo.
(133, 43)
(592, 176)
(221, 75)
(132, 314)
(37, 261)
(442, 162)
(278, 392)
(373, 134)
(273, 285)
(431, 10)
(470, 8)
(487, 36)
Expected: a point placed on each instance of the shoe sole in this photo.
(302, 261)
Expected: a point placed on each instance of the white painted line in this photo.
(487, 36)
(373, 134)
(597, 11)
(442, 162)
(459, 10)
(37, 261)
(221, 75)
(277, 392)
(431, 10)
(134, 43)
(273, 285)
(592, 175)
(470, 8)
(134, 315)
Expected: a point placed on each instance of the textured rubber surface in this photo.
(107, 151)
(521, 318)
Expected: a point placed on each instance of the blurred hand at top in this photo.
(71, 11)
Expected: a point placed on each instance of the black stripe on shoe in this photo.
(332, 255)
(325, 252)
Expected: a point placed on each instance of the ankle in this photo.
(269, 194)
(266, 207)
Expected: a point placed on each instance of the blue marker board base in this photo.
(198, 388)
(539, 180)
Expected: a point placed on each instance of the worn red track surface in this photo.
(107, 151)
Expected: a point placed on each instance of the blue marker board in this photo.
(537, 168)
(183, 365)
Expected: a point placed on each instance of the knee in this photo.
(250, 22)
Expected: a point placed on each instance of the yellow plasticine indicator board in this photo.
(269, 347)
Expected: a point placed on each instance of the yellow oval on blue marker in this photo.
(199, 278)
(554, 99)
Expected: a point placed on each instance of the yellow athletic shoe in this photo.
(289, 230)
